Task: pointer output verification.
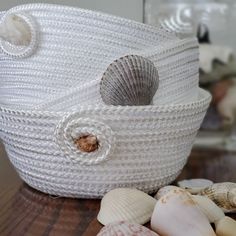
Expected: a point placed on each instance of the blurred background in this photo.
(212, 22)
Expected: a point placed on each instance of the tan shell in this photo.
(124, 204)
(131, 80)
(226, 227)
(223, 194)
(176, 214)
(123, 228)
(194, 186)
(87, 143)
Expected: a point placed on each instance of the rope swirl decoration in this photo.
(72, 128)
(18, 35)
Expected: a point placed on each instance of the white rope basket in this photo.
(69, 75)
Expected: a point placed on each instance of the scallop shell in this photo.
(130, 80)
(126, 204)
(123, 228)
(164, 190)
(223, 194)
(209, 208)
(194, 186)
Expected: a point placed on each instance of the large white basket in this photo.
(50, 93)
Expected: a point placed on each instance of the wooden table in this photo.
(25, 211)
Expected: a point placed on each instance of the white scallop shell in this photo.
(194, 186)
(164, 190)
(123, 228)
(209, 208)
(223, 194)
(130, 80)
(126, 204)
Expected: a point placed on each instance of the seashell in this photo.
(176, 214)
(15, 30)
(164, 190)
(223, 194)
(194, 186)
(123, 228)
(226, 227)
(130, 80)
(126, 204)
(209, 208)
(87, 143)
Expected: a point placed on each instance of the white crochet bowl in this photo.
(52, 97)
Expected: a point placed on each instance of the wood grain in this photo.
(27, 212)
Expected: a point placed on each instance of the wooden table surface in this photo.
(25, 211)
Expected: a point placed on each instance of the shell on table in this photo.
(124, 204)
(209, 208)
(176, 214)
(223, 194)
(194, 186)
(130, 80)
(226, 227)
(164, 190)
(123, 228)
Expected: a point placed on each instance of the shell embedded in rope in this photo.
(15, 30)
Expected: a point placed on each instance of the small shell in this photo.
(123, 228)
(176, 214)
(209, 208)
(223, 194)
(164, 190)
(15, 30)
(124, 204)
(226, 227)
(194, 186)
(130, 80)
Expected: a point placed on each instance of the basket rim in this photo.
(204, 99)
(86, 12)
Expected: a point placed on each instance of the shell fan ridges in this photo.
(130, 80)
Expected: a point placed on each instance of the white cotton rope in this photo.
(52, 60)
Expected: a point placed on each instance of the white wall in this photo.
(132, 9)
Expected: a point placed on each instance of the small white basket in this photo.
(52, 95)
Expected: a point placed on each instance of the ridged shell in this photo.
(123, 228)
(130, 80)
(209, 208)
(124, 204)
(223, 194)
(195, 186)
(164, 190)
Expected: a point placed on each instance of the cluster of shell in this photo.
(123, 211)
